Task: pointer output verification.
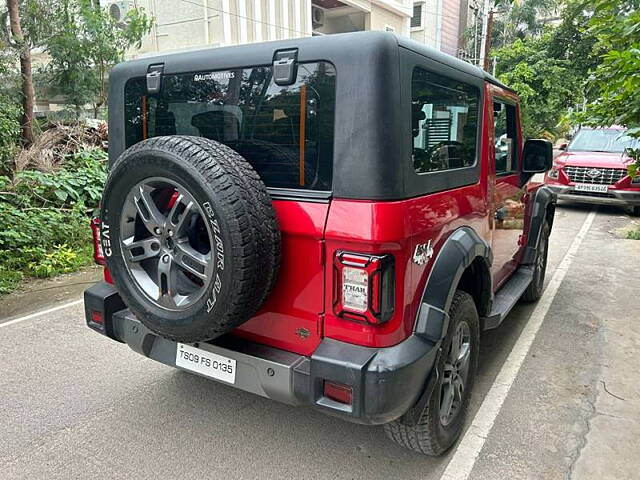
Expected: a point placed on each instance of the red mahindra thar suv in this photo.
(328, 222)
(593, 169)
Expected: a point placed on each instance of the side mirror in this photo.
(563, 146)
(537, 157)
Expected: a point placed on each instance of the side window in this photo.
(505, 138)
(444, 122)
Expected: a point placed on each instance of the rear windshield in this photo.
(286, 133)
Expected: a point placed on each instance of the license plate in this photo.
(588, 187)
(206, 363)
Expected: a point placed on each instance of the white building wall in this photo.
(427, 33)
(186, 24)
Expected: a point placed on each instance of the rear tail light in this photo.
(98, 255)
(338, 392)
(95, 320)
(363, 287)
(97, 317)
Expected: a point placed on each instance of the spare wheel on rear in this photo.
(189, 236)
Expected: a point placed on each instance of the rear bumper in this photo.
(619, 197)
(386, 382)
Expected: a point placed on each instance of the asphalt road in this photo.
(76, 405)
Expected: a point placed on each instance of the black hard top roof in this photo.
(449, 60)
(372, 127)
(334, 44)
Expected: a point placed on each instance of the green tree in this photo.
(549, 70)
(28, 24)
(615, 83)
(521, 18)
(89, 43)
(21, 44)
(10, 111)
(547, 86)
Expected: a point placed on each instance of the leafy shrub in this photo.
(634, 234)
(44, 226)
(62, 259)
(79, 181)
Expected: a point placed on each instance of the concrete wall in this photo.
(192, 24)
(427, 33)
(223, 22)
(450, 33)
(384, 19)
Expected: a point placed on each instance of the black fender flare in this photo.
(462, 247)
(543, 200)
(459, 251)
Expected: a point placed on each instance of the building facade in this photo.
(185, 24)
(191, 24)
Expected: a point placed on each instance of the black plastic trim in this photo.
(300, 195)
(386, 382)
(104, 298)
(543, 200)
(462, 247)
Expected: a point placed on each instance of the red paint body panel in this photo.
(508, 195)
(299, 312)
(396, 228)
(290, 319)
(312, 233)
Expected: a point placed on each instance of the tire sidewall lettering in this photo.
(215, 291)
(106, 238)
(219, 254)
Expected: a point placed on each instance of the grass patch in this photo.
(9, 280)
(634, 234)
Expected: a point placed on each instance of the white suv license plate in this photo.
(587, 187)
(206, 363)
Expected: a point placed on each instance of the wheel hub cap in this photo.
(455, 374)
(167, 243)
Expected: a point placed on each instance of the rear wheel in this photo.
(443, 419)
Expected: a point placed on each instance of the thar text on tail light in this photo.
(364, 287)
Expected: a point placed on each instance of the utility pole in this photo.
(19, 42)
(487, 40)
(487, 14)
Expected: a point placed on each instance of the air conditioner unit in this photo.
(118, 10)
(317, 16)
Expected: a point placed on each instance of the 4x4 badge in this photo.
(423, 253)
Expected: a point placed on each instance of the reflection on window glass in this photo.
(602, 140)
(444, 116)
(505, 141)
(286, 133)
